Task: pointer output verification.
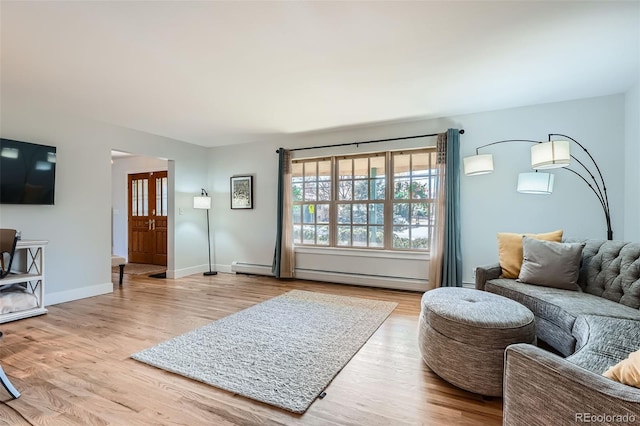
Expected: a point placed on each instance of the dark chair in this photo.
(8, 241)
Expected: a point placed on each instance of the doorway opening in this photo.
(141, 219)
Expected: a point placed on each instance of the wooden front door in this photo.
(148, 218)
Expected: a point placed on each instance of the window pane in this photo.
(145, 197)
(360, 167)
(310, 191)
(297, 213)
(419, 188)
(376, 166)
(323, 235)
(324, 190)
(376, 236)
(376, 214)
(308, 234)
(420, 237)
(158, 208)
(420, 164)
(297, 234)
(344, 235)
(359, 236)
(308, 213)
(400, 213)
(419, 214)
(165, 191)
(139, 197)
(310, 171)
(134, 198)
(345, 190)
(345, 168)
(344, 213)
(377, 189)
(401, 189)
(297, 191)
(324, 180)
(322, 213)
(361, 190)
(401, 164)
(401, 237)
(324, 170)
(296, 170)
(359, 213)
(433, 185)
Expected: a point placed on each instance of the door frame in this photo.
(119, 204)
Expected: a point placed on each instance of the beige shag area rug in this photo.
(283, 352)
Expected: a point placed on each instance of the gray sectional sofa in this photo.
(591, 330)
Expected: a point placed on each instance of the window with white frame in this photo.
(381, 200)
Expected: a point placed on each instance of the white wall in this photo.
(120, 170)
(631, 165)
(78, 226)
(490, 203)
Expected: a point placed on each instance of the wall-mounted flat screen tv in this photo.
(27, 173)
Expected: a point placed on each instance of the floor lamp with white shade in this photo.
(203, 202)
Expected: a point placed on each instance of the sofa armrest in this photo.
(541, 388)
(486, 273)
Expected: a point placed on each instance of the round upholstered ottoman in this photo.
(464, 332)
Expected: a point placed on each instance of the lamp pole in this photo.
(209, 272)
(599, 191)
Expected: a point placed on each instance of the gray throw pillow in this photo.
(551, 264)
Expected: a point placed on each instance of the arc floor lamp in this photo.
(546, 155)
(203, 202)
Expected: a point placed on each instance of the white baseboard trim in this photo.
(180, 273)
(79, 293)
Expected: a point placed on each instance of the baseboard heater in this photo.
(250, 268)
(397, 283)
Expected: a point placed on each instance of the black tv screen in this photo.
(27, 173)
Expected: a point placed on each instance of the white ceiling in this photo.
(216, 73)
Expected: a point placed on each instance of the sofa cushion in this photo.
(603, 341)
(560, 307)
(551, 264)
(510, 250)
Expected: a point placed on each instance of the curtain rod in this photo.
(365, 142)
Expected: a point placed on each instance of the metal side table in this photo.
(7, 384)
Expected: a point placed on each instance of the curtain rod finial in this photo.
(461, 131)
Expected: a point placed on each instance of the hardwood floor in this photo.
(73, 367)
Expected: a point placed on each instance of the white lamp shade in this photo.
(201, 202)
(535, 183)
(550, 155)
(478, 164)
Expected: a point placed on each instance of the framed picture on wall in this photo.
(242, 192)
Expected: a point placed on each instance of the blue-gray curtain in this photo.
(277, 255)
(283, 257)
(452, 257)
